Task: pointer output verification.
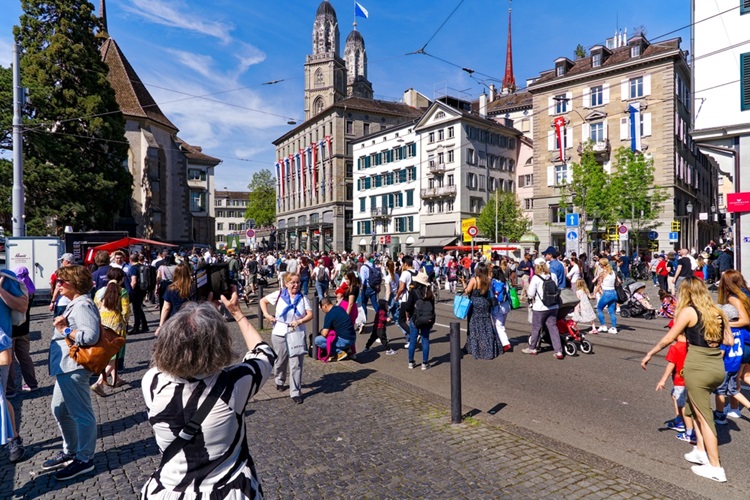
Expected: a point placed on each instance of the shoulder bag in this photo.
(95, 358)
(622, 295)
(461, 306)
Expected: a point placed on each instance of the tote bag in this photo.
(296, 343)
(515, 303)
(461, 306)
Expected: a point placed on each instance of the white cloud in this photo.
(199, 63)
(6, 53)
(176, 15)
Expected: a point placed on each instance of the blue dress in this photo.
(483, 342)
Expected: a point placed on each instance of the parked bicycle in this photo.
(640, 271)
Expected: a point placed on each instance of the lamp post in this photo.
(689, 231)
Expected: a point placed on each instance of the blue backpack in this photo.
(500, 290)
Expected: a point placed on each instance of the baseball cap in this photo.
(68, 257)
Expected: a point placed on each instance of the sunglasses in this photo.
(61, 282)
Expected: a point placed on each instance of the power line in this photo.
(696, 22)
(420, 51)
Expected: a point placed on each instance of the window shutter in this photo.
(551, 175)
(551, 104)
(608, 166)
(605, 128)
(551, 141)
(520, 181)
(646, 85)
(605, 93)
(586, 98)
(646, 124)
(585, 132)
(745, 75)
(624, 90)
(569, 134)
(624, 128)
(569, 97)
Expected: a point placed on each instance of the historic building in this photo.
(315, 166)
(200, 181)
(627, 92)
(229, 211)
(721, 79)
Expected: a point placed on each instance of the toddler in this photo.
(668, 304)
(675, 362)
(378, 329)
(584, 312)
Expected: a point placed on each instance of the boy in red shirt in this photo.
(675, 362)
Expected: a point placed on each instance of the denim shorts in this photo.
(729, 386)
(680, 395)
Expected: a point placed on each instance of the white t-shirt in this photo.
(574, 274)
(405, 278)
(281, 326)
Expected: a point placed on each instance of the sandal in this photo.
(99, 390)
(119, 382)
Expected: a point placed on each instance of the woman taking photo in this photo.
(113, 302)
(178, 292)
(706, 327)
(292, 311)
(541, 314)
(482, 341)
(605, 285)
(71, 398)
(216, 463)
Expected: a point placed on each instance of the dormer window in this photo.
(560, 70)
(635, 51)
(596, 60)
(562, 65)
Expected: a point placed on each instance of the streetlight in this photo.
(689, 209)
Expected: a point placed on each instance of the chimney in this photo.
(483, 105)
(493, 92)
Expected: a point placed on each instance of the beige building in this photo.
(229, 211)
(200, 181)
(315, 166)
(593, 96)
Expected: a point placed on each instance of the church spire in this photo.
(103, 15)
(509, 81)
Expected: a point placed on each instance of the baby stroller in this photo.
(572, 339)
(633, 307)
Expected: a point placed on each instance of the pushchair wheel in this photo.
(649, 314)
(624, 313)
(586, 347)
(570, 348)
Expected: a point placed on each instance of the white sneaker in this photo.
(425, 366)
(406, 346)
(734, 413)
(697, 456)
(602, 328)
(411, 366)
(378, 341)
(710, 472)
(612, 330)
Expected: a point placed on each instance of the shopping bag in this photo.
(296, 343)
(515, 303)
(461, 306)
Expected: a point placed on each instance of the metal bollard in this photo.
(260, 311)
(455, 334)
(315, 324)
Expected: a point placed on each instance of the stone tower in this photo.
(355, 56)
(325, 71)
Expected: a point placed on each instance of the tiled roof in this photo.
(195, 153)
(232, 195)
(516, 100)
(131, 93)
(619, 55)
(376, 106)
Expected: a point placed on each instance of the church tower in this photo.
(325, 71)
(355, 56)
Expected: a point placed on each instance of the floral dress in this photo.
(584, 312)
(482, 342)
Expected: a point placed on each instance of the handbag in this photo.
(461, 306)
(515, 303)
(622, 295)
(296, 343)
(95, 358)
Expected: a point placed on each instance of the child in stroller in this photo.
(572, 339)
(637, 304)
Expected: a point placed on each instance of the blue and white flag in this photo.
(635, 126)
(360, 11)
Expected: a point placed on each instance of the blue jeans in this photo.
(371, 295)
(322, 288)
(304, 282)
(609, 300)
(413, 333)
(340, 345)
(71, 406)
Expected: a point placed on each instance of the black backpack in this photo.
(550, 292)
(376, 277)
(424, 311)
(144, 277)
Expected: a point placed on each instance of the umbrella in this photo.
(127, 242)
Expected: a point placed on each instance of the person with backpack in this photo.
(545, 296)
(419, 309)
(500, 288)
(481, 342)
(402, 294)
(371, 277)
(139, 277)
(322, 277)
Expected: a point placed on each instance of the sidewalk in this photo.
(358, 434)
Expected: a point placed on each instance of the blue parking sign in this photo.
(571, 220)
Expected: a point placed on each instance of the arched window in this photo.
(319, 77)
(319, 105)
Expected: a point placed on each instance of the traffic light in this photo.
(675, 226)
(612, 233)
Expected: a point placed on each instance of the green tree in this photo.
(580, 51)
(74, 133)
(262, 204)
(503, 212)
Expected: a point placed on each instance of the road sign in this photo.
(571, 240)
(653, 235)
(250, 233)
(473, 231)
(623, 229)
(674, 237)
(571, 220)
(572, 235)
(746, 239)
(465, 225)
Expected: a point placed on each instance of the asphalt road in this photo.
(602, 403)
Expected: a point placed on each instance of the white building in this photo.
(229, 212)
(721, 111)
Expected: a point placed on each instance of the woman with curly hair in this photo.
(113, 302)
(706, 327)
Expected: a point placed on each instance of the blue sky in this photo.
(230, 47)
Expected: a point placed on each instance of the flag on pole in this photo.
(360, 11)
(635, 126)
(281, 165)
(559, 132)
(315, 169)
(304, 181)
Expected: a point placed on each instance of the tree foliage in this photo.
(580, 51)
(262, 204)
(74, 133)
(511, 223)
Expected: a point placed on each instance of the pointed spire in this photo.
(103, 15)
(509, 81)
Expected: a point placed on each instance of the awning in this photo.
(436, 241)
(363, 242)
(127, 242)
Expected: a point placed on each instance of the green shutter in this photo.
(410, 198)
(367, 162)
(744, 7)
(745, 80)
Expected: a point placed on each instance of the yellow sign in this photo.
(465, 225)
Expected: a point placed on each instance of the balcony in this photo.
(600, 148)
(436, 168)
(439, 192)
(381, 212)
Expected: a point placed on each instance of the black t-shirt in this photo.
(687, 267)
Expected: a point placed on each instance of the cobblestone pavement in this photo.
(358, 434)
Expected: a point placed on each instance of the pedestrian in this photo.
(292, 311)
(138, 276)
(706, 327)
(21, 344)
(113, 302)
(379, 329)
(501, 291)
(347, 295)
(419, 309)
(71, 398)
(402, 295)
(322, 277)
(583, 312)
(336, 322)
(605, 285)
(451, 275)
(662, 273)
(675, 363)
(371, 277)
(542, 314)
(305, 271)
(668, 304)
(391, 289)
(181, 289)
(733, 291)
(186, 368)
(101, 260)
(482, 341)
(59, 301)
(164, 278)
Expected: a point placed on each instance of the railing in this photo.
(439, 192)
(381, 212)
(436, 168)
